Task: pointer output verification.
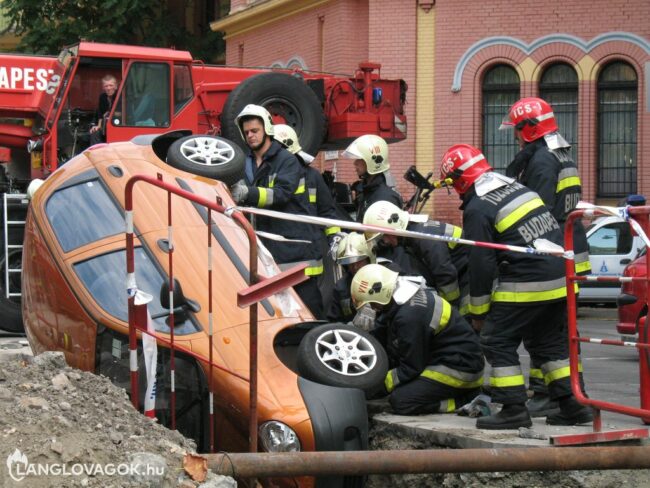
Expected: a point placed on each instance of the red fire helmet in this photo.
(463, 164)
(532, 116)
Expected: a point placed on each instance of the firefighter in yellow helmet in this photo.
(436, 360)
(370, 155)
(418, 257)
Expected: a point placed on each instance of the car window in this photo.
(105, 278)
(611, 239)
(83, 213)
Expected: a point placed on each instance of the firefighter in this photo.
(321, 203)
(275, 179)
(420, 257)
(544, 164)
(528, 299)
(352, 254)
(435, 356)
(370, 154)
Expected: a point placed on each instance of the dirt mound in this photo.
(65, 427)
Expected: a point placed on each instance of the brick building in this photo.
(466, 62)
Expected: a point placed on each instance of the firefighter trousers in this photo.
(541, 328)
(309, 293)
(424, 396)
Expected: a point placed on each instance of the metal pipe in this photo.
(356, 463)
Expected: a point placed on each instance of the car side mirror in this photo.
(181, 302)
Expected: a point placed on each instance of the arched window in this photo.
(617, 128)
(559, 87)
(500, 91)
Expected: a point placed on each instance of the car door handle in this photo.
(626, 261)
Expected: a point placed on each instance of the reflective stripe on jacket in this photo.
(511, 214)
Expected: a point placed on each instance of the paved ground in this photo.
(611, 374)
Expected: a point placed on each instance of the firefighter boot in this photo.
(510, 417)
(541, 405)
(571, 413)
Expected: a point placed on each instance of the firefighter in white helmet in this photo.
(436, 360)
(420, 257)
(370, 154)
(352, 254)
(275, 179)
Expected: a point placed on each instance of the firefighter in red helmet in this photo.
(514, 296)
(544, 164)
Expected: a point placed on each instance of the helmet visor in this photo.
(507, 123)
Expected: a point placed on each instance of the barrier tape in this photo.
(541, 246)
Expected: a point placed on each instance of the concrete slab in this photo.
(455, 431)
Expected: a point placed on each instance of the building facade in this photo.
(466, 62)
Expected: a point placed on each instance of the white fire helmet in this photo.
(252, 110)
(373, 150)
(385, 214)
(353, 248)
(373, 283)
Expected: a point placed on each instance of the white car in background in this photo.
(612, 246)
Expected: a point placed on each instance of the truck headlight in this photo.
(278, 437)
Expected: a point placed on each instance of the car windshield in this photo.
(105, 278)
(83, 213)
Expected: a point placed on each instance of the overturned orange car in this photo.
(75, 300)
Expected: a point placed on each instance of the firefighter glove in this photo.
(239, 191)
(365, 318)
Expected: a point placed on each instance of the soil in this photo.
(389, 437)
(83, 430)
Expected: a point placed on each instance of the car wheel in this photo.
(342, 355)
(209, 156)
(289, 100)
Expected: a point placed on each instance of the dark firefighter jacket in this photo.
(427, 337)
(279, 184)
(553, 175)
(459, 257)
(515, 215)
(374, 189)
(429, 259)
(341, 308)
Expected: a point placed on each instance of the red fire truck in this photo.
(48, 104)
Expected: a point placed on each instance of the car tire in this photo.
(344, 356)
(289, 100)
(209, 156)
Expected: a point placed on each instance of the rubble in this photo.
(84, 431)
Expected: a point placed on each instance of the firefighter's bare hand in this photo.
(94, 129)
(477, 325)
(239, 191)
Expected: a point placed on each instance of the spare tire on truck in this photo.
(342, 355)
(209, 156)
(289, 100)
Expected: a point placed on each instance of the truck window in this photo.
(83, 213)
(183, 88)
(144, 101)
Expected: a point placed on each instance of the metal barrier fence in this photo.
(248, 297)
(640, 214)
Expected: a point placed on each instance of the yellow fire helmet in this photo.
(373, 283)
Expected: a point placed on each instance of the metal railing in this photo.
(249, 297)
(640, 214)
